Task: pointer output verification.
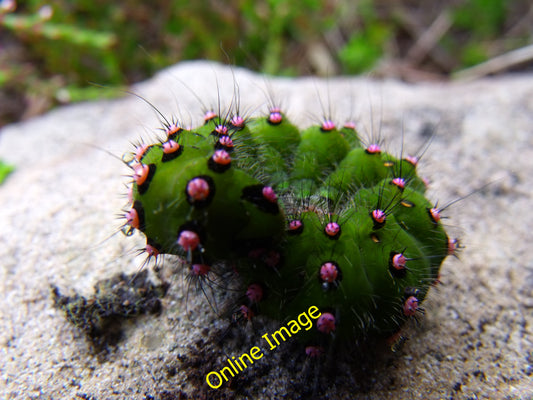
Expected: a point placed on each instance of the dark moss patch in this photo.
(117, 299)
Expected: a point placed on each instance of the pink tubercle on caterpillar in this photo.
(410, 306)
(454, 245)
(397, 265)
(329, 272)
(398, 262)
(209, 115)
(326, 323)
(226, 142)
(188, 240)
(140, 151)
(237, 121)
(332, 230)
(132, 218)
(434, 214)
(349, 125)
(254, 293)
(198, 189)
(275, 117)
(172, 129)
(200, 269)
(399, 182)
(378, 216)
(295, 227)
(140, 173)
(373, 148)
(221, 130)
(328, 125)
(412, 160)
(221, 157)
(151, 250)
(269, 194)
(170, 146)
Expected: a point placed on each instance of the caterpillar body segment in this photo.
(318, 153)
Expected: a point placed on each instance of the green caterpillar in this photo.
(305, 217)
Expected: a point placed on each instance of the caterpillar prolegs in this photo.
(305, 217)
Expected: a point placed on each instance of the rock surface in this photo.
(59, 222)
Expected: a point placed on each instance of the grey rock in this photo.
(59, 227)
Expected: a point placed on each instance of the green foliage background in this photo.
(51, 51)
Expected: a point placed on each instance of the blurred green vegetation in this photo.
(5, 170)
(51, 51)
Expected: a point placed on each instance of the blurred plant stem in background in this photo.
(52, 51)
(5, 170)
